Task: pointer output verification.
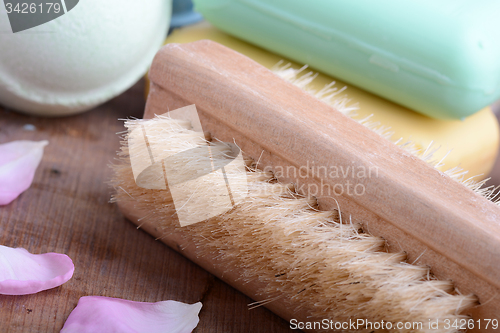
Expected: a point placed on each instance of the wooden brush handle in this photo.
(413, 206)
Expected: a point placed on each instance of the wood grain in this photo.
(413, 206)
(66, 210)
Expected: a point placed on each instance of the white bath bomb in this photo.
(92, 53)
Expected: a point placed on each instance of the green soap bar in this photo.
(440, 58)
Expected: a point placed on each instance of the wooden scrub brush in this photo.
(407, 243)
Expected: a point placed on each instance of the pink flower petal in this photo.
(95, 314)
(23, 273)
(18, 163)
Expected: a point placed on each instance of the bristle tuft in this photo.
(331, 96)
(278, 237)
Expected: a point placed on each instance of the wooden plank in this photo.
(66, 210)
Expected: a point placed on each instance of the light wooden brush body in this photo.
(416, 208)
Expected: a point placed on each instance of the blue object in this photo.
(183, 14)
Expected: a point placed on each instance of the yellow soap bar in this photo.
(473, 142)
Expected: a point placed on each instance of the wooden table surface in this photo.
(66, 210)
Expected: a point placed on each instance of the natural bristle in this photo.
(333, 96)
(320, 261)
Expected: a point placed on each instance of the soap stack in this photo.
(424, 72)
